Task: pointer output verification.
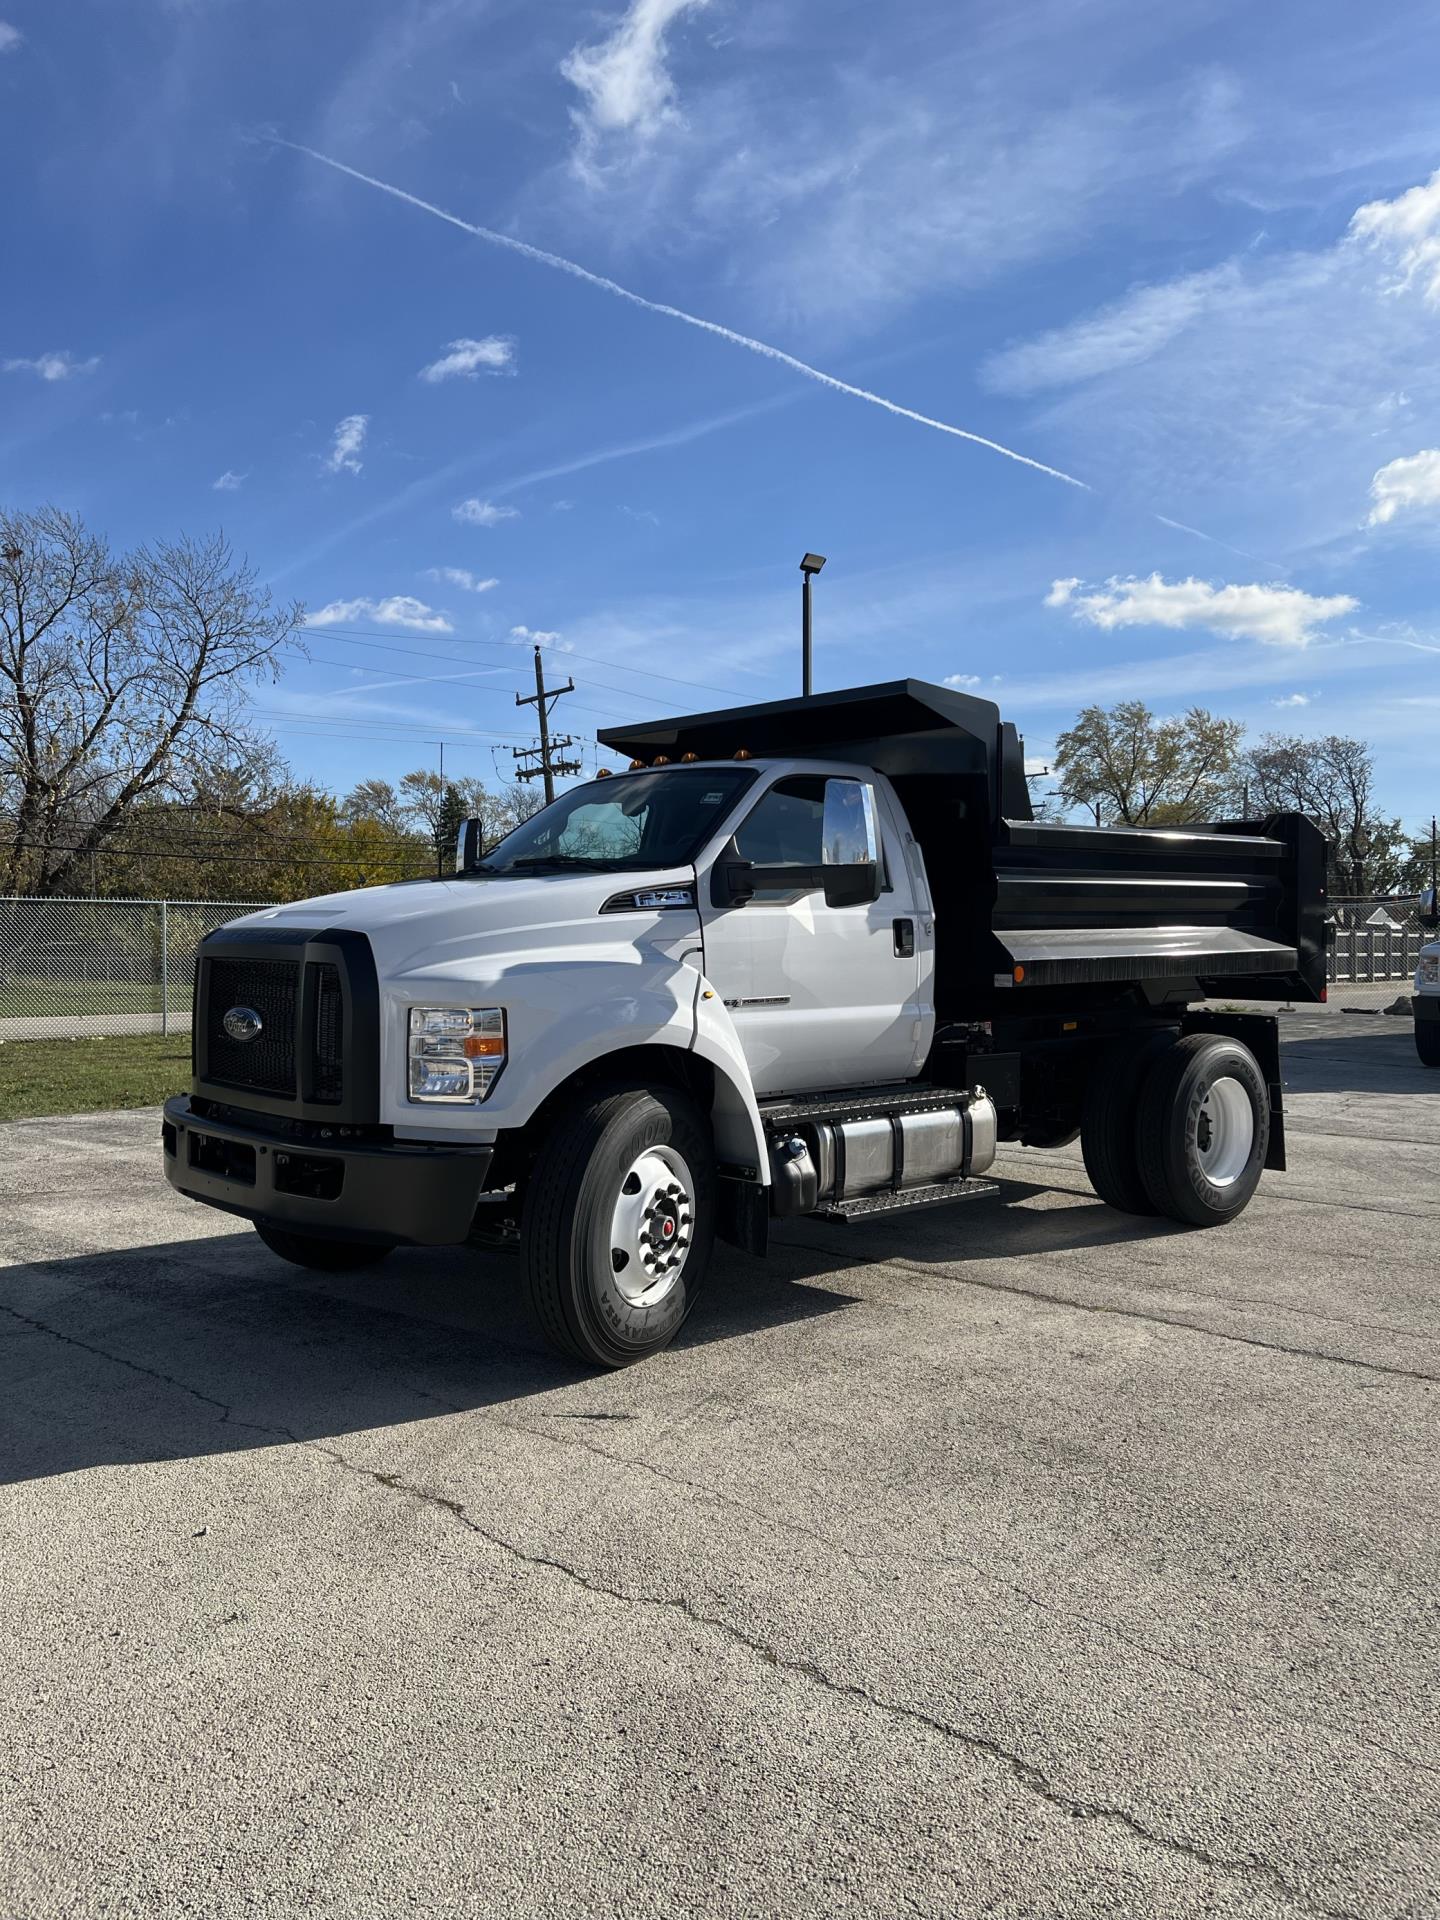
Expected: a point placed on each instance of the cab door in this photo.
(822, 996)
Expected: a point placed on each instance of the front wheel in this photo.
(323, 1255)
(1427, 1042)
(1204, 1129)
(619, 1224)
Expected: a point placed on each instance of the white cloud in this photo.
(1120, 335)
(1411, 481)
(461, 577)
(468, 359)
(482, 513)
(229, 482)
(1293, 700)
(532, 637)
(1275, 615)
(11, 38)
(54, 366)
(1408, 229)
(624, 80)
(344, 455)
(962, 679)
(399, 610)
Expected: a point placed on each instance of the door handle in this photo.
(904, 939)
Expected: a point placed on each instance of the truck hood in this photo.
(440, 927)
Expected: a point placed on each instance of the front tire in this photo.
(321, 1255)
(619, 1225)
(1204, 1128)
(1427, 1041)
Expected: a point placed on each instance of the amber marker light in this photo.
(482, 1046)
(1019, 975)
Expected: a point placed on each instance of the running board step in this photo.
(865, 1103)
(870, 1206)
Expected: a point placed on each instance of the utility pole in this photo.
(546, 760)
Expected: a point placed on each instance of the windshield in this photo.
(632, 820)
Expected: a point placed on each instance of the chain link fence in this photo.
(1375, 946)
(70, 967)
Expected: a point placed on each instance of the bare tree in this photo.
(1125, 766)
(121, 680)
(1332, 780)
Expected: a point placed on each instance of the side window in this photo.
(794, 827)
(786, 829)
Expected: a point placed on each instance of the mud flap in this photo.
(1260, 1032)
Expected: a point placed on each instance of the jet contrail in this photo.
(761, 347)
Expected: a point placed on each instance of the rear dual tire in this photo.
(1178, 1127)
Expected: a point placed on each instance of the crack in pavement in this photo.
(150, 1373)
(1026, 1772)
(1045, 1298)
(1302, 1713)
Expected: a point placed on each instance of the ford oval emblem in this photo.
(242, 1023)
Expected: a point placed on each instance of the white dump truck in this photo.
(808, 958)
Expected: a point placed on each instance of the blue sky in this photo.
(1188, 256)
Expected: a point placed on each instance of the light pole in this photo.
(809, 567)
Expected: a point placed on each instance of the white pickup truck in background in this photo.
(1427, 987)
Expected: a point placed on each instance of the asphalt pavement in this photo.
(1012, 1559)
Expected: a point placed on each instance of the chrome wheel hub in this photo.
(652, 1226)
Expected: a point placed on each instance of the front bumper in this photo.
(1427, 1006)
(392, 1191)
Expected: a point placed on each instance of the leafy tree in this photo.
(1128, 768)
(1412, 865)
(1332, 780)
(122, 681)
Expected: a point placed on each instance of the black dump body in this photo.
(1033, 913)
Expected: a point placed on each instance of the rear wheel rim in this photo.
(652, 1226)
(1225, 1132)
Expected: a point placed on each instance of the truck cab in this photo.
(808, 958)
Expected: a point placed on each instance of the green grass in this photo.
(91, 1075)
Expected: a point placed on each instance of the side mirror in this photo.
(732, 878)
(469, 845)
(852, 886)
(850, 844)
(1429, 914)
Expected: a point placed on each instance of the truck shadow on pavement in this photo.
(213, 1345)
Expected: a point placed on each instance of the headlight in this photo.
(455, 1053)
(1429, 970)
